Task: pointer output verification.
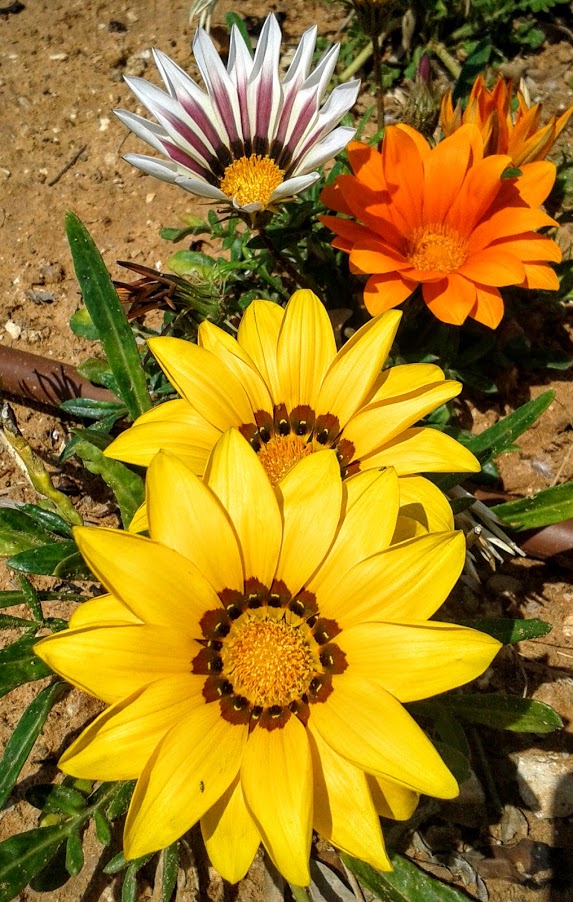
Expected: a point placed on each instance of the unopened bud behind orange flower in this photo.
(443, 218)
(516, 134)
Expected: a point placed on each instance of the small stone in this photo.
(545, 781)
(58, 57)
(568, 627)
(13, 329)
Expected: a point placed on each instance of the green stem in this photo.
(297, 277)
(446, 58)
(300, 893)
(376, 45)
(357, 62)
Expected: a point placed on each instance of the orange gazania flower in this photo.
(443, 218)
(518, 135)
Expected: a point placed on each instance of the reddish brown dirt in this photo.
(61, 68)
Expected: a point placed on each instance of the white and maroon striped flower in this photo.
(253, 139)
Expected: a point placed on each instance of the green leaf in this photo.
(406, 883)
(93, 410)
(18, 532)
(25, 855)
(19, 664)
(74, 854)
(475, 63)
(127, 486)
(56, 799)
(102, 828)
(72, 567)
(108, 316)
(24, 736)
(48, 520)
(169, 870)
(509, 631)
(43, 560)
(501, 435)
(82, 325)
(504, 712)
(32, 600)
(129, 887)
(233, 18)
(121, 799)
(549, 506)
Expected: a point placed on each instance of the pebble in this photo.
(13, 329)
(545, 781)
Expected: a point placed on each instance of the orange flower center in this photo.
(269, 662)
(281, 453)
(437, 247)
(251, 180)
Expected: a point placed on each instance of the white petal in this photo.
(340, 101)
(149, 132)
(239, 67)
(264, 90)
(301, 109)
(291, 187)
(219, 84)
(325, 150)
(301, 61)
(202, 189)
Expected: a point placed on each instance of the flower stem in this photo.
(297, 277)
(377, 61)
(300, 893)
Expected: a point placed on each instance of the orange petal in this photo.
(538, 275)
(488, 308)
(446, 169)
(451, 299)
(366, 163)
(496, 265)
(505, 223)
(376, 257)
(536, 181)
(404, 171)
(382, 292)
(530, 248)
(478, 191)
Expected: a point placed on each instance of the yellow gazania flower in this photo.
(288, 391)
(520, 135)
(255, 653)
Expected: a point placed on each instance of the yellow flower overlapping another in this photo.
(285, 387)
(255, 653)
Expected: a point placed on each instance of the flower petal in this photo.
(185, 515)
(353, 828)
(156, 583)
(405, 582)
(200, 377)
(258, 335)
(421, 500)
(230, 834)
(103, 610)
(118, 744)
(238, 361)
(488, 307)
(450, 299)
(310, 497)
(382, 292)
(367, 726)
(306, 348)
(121, 659)
(188, 772)
(420, 659)
(175, 426)
(370, 512)
(352, 373)
(391, 800)
(495, 265)
(424, 450)
(238, 479)
(276, 775)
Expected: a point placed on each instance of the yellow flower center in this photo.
(269, 662)
(437, 247)
(281, 453)
(251, 180)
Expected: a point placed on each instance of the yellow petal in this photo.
(352, 826)
(258, 335)
(119, 743)
(237, 478)
(276, 774)
(407, 528)
(230, 352)
(405, 378)
(424, 450)
(156, 583)
(175, 426)
(366, 725)
(391, 800)
(105, 610)
(185, 515)
(203, 380)
(379, 423)
(190, 769)
(352, 373)
(406, 582)
(306, 348)
(230, 834)
(370, 511)
(421, 500)
(139, 522)
(112, 662)
(418, 659)
(310, 497)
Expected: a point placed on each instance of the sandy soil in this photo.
(61, 68)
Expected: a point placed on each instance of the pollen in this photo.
(251, 180)
(268, 661)
(437, 247)
(281, 453)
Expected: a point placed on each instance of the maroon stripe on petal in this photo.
(189, 136)
(200, 119)
(179, 156)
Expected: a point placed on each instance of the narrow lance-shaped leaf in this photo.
(502, 434)
(549, 506)
(406, 883)
(24, 736)
(23, 856)
(107, 314)
(126, 485)
(501, 712)
(509, 631)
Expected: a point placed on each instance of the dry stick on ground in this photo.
(29, 377)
